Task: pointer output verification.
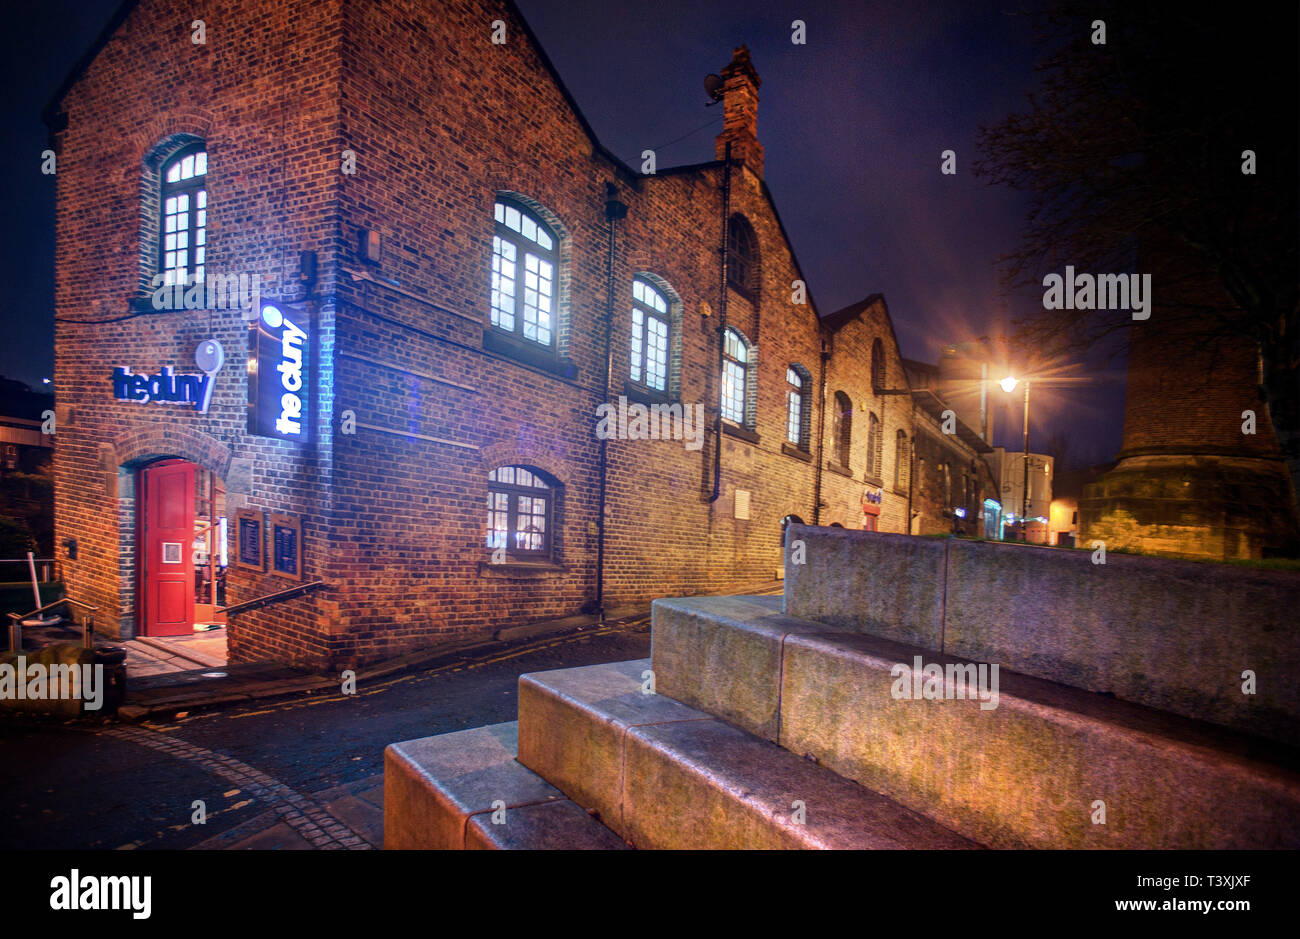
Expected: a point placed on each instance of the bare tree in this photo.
(1138, 148)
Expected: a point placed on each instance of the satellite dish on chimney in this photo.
(713, 88)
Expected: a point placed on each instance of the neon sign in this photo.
(279, 365)
(166, 387)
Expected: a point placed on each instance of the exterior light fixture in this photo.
(1008, 384)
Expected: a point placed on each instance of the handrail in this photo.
(87, 625)
(287, 594)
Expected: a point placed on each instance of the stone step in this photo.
(1034, 771)
(443, 792)
(665, 776)
(1175, 635)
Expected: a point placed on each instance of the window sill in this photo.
(735, 430)
(874, 481)
(790, 449)
(837, 468)
(643, 395)
(900, 492)
(543, 357)
(519, 568)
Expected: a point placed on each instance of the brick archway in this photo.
(136, 447)
(132, 450)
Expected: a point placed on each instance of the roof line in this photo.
(53, 110)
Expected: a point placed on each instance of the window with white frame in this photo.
(735, 366)
(183, 232)
(524, 288)
(650, 336)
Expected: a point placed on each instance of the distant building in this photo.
(1009, 472)
(1067, 489)
(22, 445)
(953, 489)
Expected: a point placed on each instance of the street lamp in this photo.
(1009, 385)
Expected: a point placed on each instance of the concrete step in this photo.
(666, 776)
(1174, 635)
(444, 792)
(1037, 770)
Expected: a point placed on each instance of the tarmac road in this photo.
(108, 784)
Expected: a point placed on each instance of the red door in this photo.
(167, 540)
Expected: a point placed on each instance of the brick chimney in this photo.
(740, 113)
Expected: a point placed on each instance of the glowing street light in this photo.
(1009, 385)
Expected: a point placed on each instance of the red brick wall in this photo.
(440, 121)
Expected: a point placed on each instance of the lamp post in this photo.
(1008, 385)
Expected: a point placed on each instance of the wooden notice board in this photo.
(286, 546)
(248, 540)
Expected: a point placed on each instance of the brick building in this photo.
(954, 490)
(453, 280)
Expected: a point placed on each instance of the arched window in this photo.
(877, 366)
(901, 459)
(875, 444)
(735, 374)
(797, 413)
(524, 282)
(650, 336)
(742, 256)
(521, 504)
(842, 428)
(183, 225)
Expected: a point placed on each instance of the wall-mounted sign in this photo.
(166, 387)
(872, 496)
(286, 545)
(279, 374)
(248, 539)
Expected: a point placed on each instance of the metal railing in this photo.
(87, 624)
(49, 566)
(287, 594)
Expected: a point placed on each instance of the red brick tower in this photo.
(1191, 480)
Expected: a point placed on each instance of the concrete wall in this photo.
(1174, 635)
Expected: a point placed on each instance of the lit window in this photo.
(182, 242)
(794, 408)
(735, 363)
(523, 275)
(520, 501)
(649, 336)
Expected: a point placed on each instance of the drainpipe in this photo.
(722, 322)
(614, 210)
(821, 430)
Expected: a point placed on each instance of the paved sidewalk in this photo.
(358, 805)
(167, 693)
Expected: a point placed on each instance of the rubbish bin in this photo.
(113, 658)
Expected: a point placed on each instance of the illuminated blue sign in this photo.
(166, 387)
(279, 368)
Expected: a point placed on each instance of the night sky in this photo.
(853, 124)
